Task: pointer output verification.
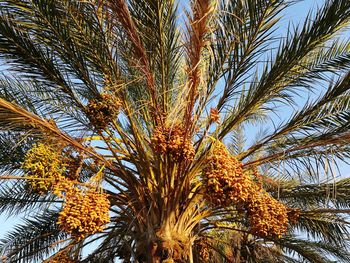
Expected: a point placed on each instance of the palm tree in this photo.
(129, 127)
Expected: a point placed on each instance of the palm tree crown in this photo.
(126, 125)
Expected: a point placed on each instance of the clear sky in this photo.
(294, 14)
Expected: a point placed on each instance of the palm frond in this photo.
(156, 23)
(330, 228)
(13, 147)
(319, 195)
(326, 115)
(18, 48)
(313, 251)
(14, 117)
(33, 240)
(16, 198)
(44, 101)
(284, 71)
(244, 32)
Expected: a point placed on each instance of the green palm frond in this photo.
(329, 228)
(329, 59)
(243, 33)
(15, 199)
(13, 148)
(38, 99)
(286, 69)
(161, 42)
(326, 115)
(110, 248)
(33, 240)
(314, 251)
(17, 47)
(318, 195)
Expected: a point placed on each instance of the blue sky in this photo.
(294, 14)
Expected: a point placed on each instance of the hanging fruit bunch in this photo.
(225, 181)
(74, 166)
(84, 212)
(43, 163)
(61, 257)
(203, 250)
(293, 215)
(102, 110)
(214, 116)
(267, 217)
(173, 141)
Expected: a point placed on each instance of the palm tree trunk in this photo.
(166, 247)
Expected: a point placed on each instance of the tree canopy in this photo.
(129, 125)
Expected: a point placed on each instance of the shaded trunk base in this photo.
(165, 250)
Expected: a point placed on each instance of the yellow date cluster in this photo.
(203, 251)
(225, 180)
(174, 141)
(226, 183)
(60, 258)
(44, 165)
(267, 216)
(293, 215)
(102, 111)
(85, 212)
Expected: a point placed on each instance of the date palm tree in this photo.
(140, 132)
